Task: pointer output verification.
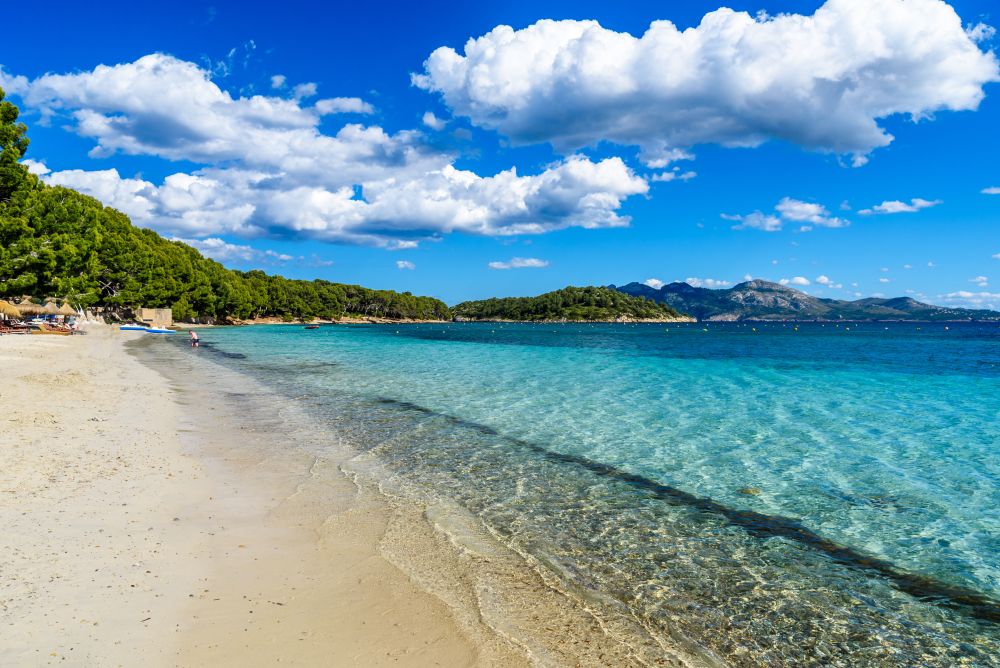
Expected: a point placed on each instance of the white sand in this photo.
(120, 549)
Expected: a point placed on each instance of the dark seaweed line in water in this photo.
(921, 587)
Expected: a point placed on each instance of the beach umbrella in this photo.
(27, 307)
(50, 308)
(6, 308)
(66, 309)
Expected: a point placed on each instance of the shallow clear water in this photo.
(826, 495)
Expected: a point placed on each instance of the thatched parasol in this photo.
(27, 308)
(6, 308)
(50, 308)
(66, 309)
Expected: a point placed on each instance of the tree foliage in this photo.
(584, 304)
(13, 144)
(57, 242)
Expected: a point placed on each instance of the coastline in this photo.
(233, 545)
(131, 532)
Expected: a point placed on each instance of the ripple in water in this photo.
(778, 500)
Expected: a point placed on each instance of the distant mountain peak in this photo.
(758, 299)
(761, 284)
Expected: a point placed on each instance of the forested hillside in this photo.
(56, 242)
(575, 304)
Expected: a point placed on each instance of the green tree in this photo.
(13, 145)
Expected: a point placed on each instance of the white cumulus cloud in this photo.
(788, 210)
(797, 280)
(266, 168)
(992, 190)
(343, 105)
(897, 206)
(980, 281)
(822, 81)
(520, 263)
(405, 264)
(654, 283)
(810, 212)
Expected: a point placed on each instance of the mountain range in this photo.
(764, 300)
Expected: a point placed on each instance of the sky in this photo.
(459, 150)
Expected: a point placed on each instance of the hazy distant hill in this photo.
(763, 300)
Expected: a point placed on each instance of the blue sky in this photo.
(727, 153)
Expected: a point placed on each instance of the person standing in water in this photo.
(194, 339)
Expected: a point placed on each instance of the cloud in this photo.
(980, 281)
(981, 32)
(797, 280)
(405, 264)
(278, 81)
(897, 206)
(343, 105)
(992, 190)
(432, 121)
(133, 108)
(884, 280)
(755, 221)
(788, 210)
(266, 169)
(674, 174)
(304, 90)
(799, 211)
(13, 85)
(134, 197)
(223, 251)
(707, 282)
(36, 167)
(654, 283)
(907, 266)
(988, 300)
(822, 81)
(828, 282)
(520, 263)
(996, 256)
(575, 193)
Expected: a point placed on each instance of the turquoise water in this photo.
(826, 495)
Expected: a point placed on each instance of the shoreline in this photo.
(237, 545)
(133, 531)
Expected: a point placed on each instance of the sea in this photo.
(764, 494)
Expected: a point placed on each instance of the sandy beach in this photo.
(143, 519)
(120, 542)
